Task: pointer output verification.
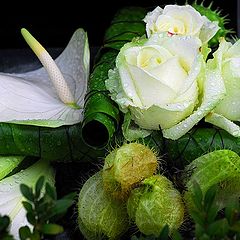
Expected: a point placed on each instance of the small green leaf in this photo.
(51, 191)
(4, 222)
(210, 197)
(212, 214)
(164, 233)
(176, 235)
(39, 186)
(232, 211)
(70, 196)
(31, 218)
(24, 233)
(60, 207)
(199, 231)
(27, 192)
(27, 206)
(218, 228)
(198, 217)
(52, 229)
(197, 196)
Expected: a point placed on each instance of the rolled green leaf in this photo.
(63, 144)
(198, 142)
(101, 115)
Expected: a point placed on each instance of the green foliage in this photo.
(212, 222)
(4, 225)
(43, 210)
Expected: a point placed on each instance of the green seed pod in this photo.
(100, 216)
(155, 204)
(220, 167)
(126, 166)
(214, 15)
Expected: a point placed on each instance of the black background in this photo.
(53, 22)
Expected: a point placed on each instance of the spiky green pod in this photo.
(155, 204)
(100, 216)
(126, 166)
(214, 15)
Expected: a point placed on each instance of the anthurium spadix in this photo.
(11, 197)
(52, 95)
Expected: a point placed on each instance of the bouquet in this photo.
(159, 113)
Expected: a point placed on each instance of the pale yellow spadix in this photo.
(52, 69)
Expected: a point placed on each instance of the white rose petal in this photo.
(180, 20)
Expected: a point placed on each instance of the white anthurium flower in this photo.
(52, 95)
(164, 83)
(227, 112)
(180, 20)
(11, 197)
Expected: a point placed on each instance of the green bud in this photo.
(100, 216)
(155, 204)
(126, 166)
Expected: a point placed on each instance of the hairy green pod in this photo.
(126, 166)
(99, 215)
(220, 167)
(155, 204)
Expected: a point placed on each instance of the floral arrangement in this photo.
(157, 110)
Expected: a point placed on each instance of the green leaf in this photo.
(232, 211)
(27, 206)
(198, 217)
(25, 233)
(219, 228)
(164, 233)
(4, 222)
(212, 214)
(210, 197)
(27, 192)
(51, 191)
(52, 229)
(197, 196)
(31, 218)
(38, 186)
(176, 235)
(70, 196)
(60, 207)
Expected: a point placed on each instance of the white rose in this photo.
(227, 111)
(156, 80)
(180, 20)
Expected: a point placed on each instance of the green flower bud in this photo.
(127, 166)
(155, 204)
(100, 216)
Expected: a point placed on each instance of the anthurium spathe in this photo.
(227, 113)
(52, 95)
(11, 197)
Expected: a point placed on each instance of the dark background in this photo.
(53, 23)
